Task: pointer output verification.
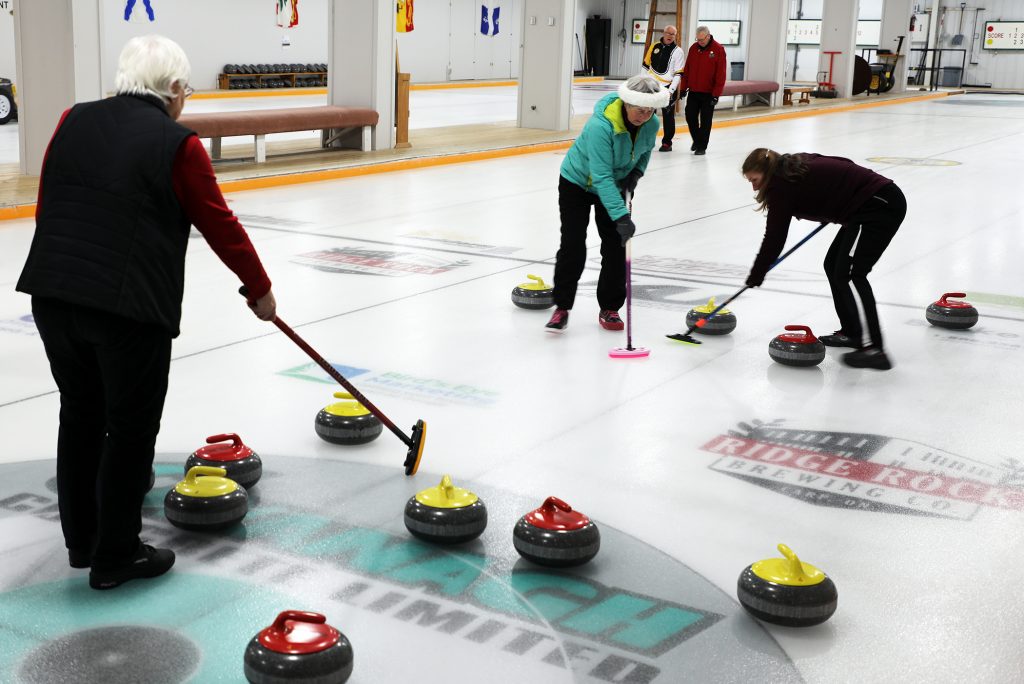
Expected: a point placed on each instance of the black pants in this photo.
(668, 120)
(112, 376)
(574, 209)
(699, 112)
(853, 254)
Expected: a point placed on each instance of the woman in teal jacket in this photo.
(607, 159)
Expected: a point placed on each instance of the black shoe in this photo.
(148, 562)
(839, 339)
(665, 147)
(869, 357)
(693, 147)
(79, 559)
(700, 152)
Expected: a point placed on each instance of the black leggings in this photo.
(853, 254)
(574, 209)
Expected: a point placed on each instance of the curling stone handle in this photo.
(195, 471)
(342, 395)
(540, 281)
(796, 568)
(553, 503)
(296, 616)
(235, 439)
(958, 295)
(800, 328)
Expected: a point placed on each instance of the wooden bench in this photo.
(763, 90)
(803, 91)
(338, 125)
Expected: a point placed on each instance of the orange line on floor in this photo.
(28, 210)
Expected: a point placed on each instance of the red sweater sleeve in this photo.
(196, 187)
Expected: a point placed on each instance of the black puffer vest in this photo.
(110, 233)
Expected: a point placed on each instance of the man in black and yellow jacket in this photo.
(664, 62)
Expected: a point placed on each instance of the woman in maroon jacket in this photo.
(122, 182)
(869, 207)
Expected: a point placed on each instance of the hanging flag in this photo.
(403, 16)
(489, 27)
(287, 13)
(129, 7)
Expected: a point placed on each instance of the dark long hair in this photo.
(769, 163)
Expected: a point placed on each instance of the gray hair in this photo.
(150, 65)
(642, 83)
(703, 29)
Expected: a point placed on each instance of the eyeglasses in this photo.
(188, 91)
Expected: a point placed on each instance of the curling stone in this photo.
(723, 323)
(556, 535)
(206, 500)
(241, 463)
(786, 591)
(445, 514)
(797, 350)
(955, 315)
(299, 647)
(347, 422)
(535, 295)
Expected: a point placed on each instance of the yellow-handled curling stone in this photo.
(533, 295)
(206, 500)
(723, 322)
(445, 514)
(787, 591)
(347, 422)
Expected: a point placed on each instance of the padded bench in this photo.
(763, 90)
(334, 122)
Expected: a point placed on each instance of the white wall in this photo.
(1002, 69)
(7, 65)
(217, 32)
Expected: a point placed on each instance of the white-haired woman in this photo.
(607, 159)
(121, 185)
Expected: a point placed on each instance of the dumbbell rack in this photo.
(289, 77)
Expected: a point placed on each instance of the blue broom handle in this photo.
(774, 264)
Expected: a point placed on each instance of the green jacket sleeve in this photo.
(602, 173)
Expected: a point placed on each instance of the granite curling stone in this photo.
(347, 422)
(206, 500)
(555, 535)
(797, 349)
(955, 315)
(445, 514)
(786, 591)
(723, 323)
(535, 295)
(242, 464)
(299, 647)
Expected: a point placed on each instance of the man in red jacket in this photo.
(704, 76)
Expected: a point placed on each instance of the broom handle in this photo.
(629, 297)
(747, 287)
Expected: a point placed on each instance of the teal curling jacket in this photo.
(605, 153)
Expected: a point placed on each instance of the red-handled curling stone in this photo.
(787, 591)
(948, 314)
(299, 647)
(556, 535)
(227, 451)
(803, 349)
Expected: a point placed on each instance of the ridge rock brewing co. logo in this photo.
(865, 471)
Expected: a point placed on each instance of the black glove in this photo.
(714, 101)
(628, 184)
(755, 279)
(625, 228)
